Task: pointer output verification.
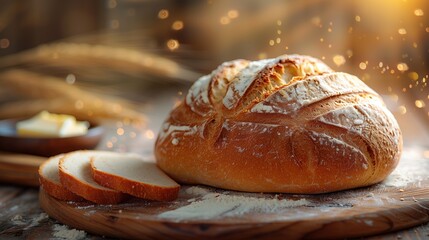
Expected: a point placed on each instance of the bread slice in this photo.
(75, 175)
(131, 174)
(50, 181)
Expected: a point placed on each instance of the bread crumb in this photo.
(175, 141)
(64, 232)
(17, 220)
(197, 191)
(401, 190)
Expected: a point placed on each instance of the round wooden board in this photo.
(400, 202)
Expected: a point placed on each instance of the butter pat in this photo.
(47, 124)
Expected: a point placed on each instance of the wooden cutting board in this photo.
(201, 212)
(20, 169)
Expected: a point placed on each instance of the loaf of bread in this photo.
(288, 124)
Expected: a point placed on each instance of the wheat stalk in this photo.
(55, 95)
(83, 56)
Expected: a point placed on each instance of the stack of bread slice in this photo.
(105, 178)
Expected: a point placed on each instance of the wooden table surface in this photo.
(22, 218)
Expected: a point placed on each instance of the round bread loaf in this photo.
(288, 124)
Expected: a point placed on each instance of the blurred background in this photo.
(142, 55)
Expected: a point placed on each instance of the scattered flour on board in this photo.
(64, 232)
(412, 169)
(214, 205)
(34, 221)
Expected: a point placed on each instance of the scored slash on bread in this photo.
(50, 181)
(75, 175)
(132, 175)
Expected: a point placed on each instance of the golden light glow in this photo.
(163, 14)
(418, 12)
(278, 40)
(402, 110)
(172, 44)
(271, 42)
(4, 43)
(402, 67)
(224, 20)
(362, 65)
(419, 103)
(279, 22)
(413, 76)
(149, 134)
(339, 60)
(233, 14)
(357, 18)
(402, 31)
(120, 131)
(177, 25)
